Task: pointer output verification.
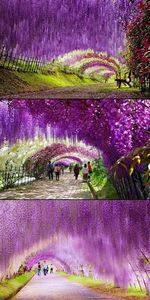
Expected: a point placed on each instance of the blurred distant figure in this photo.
(62, 169)
(76, 171)
(51, 269)
(50, 170)
(47, 269)
(39, 269)
(70, 168)
(85, 172)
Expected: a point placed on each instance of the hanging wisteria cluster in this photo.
(109, 236)
(113, 127)
(47, 29)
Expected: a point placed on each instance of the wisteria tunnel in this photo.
(113, 135)
(103, 239)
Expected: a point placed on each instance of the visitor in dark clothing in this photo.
(50, 170)
(51, 269)
(39, 268)
(76, 171)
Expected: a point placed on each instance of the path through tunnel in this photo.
(77, 237)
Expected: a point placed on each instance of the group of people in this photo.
(86, 171)
(57, 169)
(45, 269)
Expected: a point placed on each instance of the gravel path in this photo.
(66, 188)
(55, 287)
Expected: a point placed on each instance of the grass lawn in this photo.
(12, 82)
(57, 79)
(108, 288)
(10, 287)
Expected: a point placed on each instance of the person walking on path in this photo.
(45, 268)
(76, 171)
(50, 169)
(39, 269)
(51, 269)
(89, 169)
(57, 172)
(85, 173)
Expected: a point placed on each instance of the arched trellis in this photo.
(72, 156)
(37, 163)
(81, 60)
(97, 62)
(55, 150)
(32, 261)
(75, 57)
(102, 62)
(67, 160)
(97, 69)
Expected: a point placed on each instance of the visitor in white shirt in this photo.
(85, 172)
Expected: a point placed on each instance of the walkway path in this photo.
(66, 188)
(55, 287)
(91, 91)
